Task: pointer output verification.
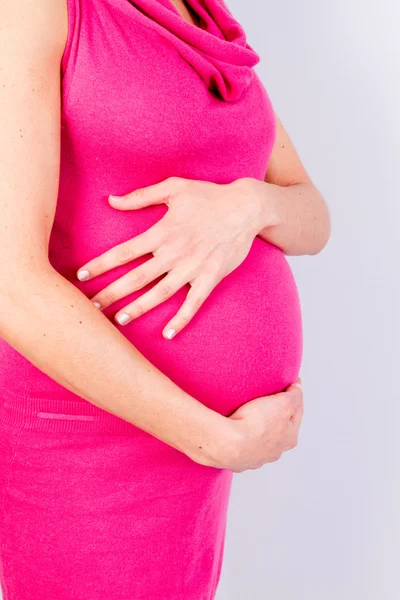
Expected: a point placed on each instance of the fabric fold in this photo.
(217, 48)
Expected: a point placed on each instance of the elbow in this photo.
(322, 229)
(315, 241)
(314, 226)
(325, 230)
(320, 243)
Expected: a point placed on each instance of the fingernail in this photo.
(298, 384)
(115, 198)
(123, 318)
(83, 275)
(170, 333)
(97, 304)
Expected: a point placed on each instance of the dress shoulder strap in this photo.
(74, 12)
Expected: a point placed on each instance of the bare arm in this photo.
(42, 315)
(300, 210)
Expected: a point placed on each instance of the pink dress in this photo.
(91, 505)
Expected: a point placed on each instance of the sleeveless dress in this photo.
(92, 506)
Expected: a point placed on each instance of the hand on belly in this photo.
(246, 340)
(205, 235)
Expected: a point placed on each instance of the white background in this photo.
(323, 522)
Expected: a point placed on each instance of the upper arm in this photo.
(32, 39)
(284, 166)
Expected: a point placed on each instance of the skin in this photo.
(43, 315)
(185, 11)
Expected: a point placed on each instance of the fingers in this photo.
(163, 290)
(293, 406)
(294, 425)
(297, 418)
(140, 245)
(198, 293)
(273, 424)
(144, 243)
(292, 431)
(157, 193)
(292, 397)
(297, 383)
(128, 283)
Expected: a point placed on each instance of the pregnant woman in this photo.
(150, 323)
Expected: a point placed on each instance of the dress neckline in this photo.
(217, 49)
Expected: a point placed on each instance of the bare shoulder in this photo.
(37, 28)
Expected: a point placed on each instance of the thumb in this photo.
(295, 384)
(295, 392)
(158, 193)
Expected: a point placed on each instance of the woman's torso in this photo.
(147, 95)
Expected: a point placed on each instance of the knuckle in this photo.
(165, 291)
(196, 301)
(297, 394)
(275, 457)
(125, 254)
(137, 310)
(109, 296)
(176, 181)
(138, 192)
(290, 402)
(139, 278)
(287, 410)
(184, 319)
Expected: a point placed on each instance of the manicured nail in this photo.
(115, 198)
(97, 304)
(170, 333)
(123, 318)
(83, 275)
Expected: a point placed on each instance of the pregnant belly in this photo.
(244, 342)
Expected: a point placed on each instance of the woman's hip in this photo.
(89, 504)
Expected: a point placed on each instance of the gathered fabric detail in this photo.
(217, 49)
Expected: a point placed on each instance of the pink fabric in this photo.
(93, 506)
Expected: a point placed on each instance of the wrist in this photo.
(225, 448)
(266, 200)
(218, 447)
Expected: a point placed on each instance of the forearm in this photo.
(300, 216)
(43, 316)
